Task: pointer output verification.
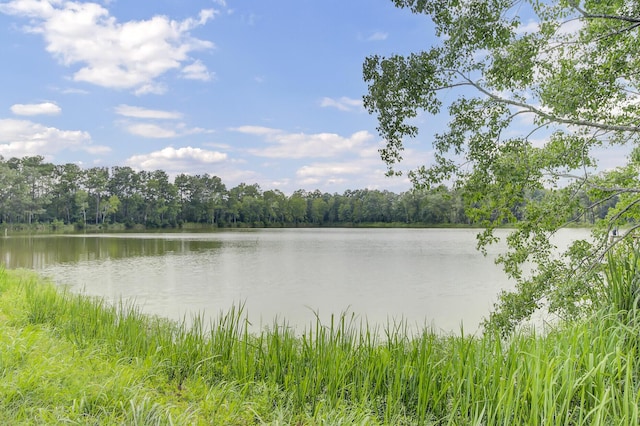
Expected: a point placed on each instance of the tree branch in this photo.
(618, 189)
(588, 15)
(550, 117)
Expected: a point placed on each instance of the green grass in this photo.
(69, 359)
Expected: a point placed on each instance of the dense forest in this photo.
(33, 191)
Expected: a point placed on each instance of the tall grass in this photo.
(622, 275)
(345, 371)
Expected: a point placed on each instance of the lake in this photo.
(432, 277)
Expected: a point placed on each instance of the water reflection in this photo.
(425, 276)
(38, 252)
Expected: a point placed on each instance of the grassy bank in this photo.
(66, 358)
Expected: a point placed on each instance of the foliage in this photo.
(130, 198)
(122, 195)
(71, 359)
(621, 286)
(534, 91)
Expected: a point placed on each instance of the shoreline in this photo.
(71, 358)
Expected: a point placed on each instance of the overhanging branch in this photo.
(545, 115)
(588, 15)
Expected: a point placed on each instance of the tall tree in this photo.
(96, 179)
(161, 199)
(124, 183)
(67, 178)
(214, 197)
(109, 206)
(190, 194)
(81, 200)
(13, 193)
(36, 181)
(275, 206)
(317, 209)
(297, 206)
(532, 89)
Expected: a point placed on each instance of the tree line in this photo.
(33, 191)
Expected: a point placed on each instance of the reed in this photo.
(622, 279)
(138, 369)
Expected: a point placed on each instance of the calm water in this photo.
(425, 276)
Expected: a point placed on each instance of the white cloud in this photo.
(343, 104)
(224, 146)
(378, 36)
(138, 112)
(371, 152)
(331, 169)
(155, 131)
(129, 55)
(374, 36)
(176, 160)
(257, 130)
(309, 182)
(72, 91)
(152, 130)
(151, 88)
(184, 130)
(44, 108)
(301, 145)
(149, 130)
(528, 28)
(571, 27)
(97, 149)
(197, 71)
(19, 138)
(361, 173)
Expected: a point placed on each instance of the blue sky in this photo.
(254, 91)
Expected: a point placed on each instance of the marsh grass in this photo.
(70, 358)
(622, 275)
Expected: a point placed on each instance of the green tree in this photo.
(275, 206)
(161, 199)
(81, 200)
(317, 210)
(376, 206)
(436, 206)
(13, 193)
(298, 207)
(34, 186)
(345, 210)
(67, 178)
(96, 179)
(124, 182)
(189, 189)
(251, 203)
(109, 206)
(532, 89)
(214, 197)
(410, 204)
